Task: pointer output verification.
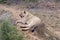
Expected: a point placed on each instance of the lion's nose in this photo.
(21, 15)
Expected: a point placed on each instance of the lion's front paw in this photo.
(25, 29)
(24, 26)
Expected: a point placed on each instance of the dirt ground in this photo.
(51, 19)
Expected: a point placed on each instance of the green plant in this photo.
(8, 32)
(27, 1)
(3, 1)
(57, 0)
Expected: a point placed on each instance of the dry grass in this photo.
(50, 18)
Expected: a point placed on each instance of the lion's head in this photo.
(23, 14)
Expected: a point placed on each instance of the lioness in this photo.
(29, 21)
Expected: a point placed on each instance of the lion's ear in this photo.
(25, 12)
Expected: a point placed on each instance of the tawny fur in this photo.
(30, 20)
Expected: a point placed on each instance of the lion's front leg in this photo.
(19, 21)
(25, 29)
(24, 26)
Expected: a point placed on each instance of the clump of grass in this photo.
(8, 32)
(27, 1)
(57, 0)
(3, 1)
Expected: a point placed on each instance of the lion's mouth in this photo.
(21, 16)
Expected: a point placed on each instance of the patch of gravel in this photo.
(5, 15)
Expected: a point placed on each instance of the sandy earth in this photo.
(48, 17)
(15, 16)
